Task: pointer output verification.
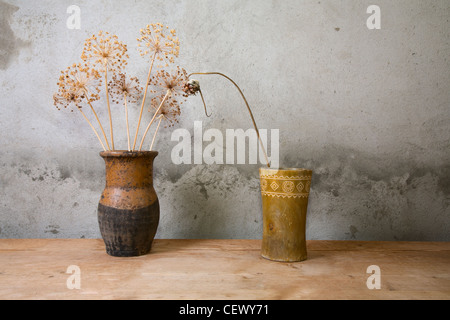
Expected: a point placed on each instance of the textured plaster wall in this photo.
(367, 110)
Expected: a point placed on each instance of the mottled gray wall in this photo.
(367, 110)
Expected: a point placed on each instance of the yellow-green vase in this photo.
(285, 195)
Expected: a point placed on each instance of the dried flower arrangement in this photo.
(104, 57)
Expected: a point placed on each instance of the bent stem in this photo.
(246, 103)
(126, 119)
(109, 108)
(143, 99)
(204, 104)
(98, 120)
(156, 131)
(95, 131)
(153, 119)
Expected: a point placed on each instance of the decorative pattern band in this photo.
(285, 186)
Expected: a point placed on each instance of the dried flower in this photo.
(167, 85)
(67, 99)
(191, 87)
(160, 46)
(155, 41)
(173, 82)
(105, 50)
(123, 90)
(81, 82)
(170, 109)
(120, 86)
(75, 84)
(70, 97)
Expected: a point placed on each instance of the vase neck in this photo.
(133, 172)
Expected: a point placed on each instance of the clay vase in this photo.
(284, 195)
(128, 211)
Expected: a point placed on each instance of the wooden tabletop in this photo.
(223, 269)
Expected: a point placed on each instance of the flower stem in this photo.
(143, 99)
(109, 108)
(153, 119)
(156, 131)
(126, 118)
(246, 103)
(98, 120)
(204, 104)
(95, 131)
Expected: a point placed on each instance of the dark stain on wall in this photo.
(9, 44)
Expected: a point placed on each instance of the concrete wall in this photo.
(367, 110)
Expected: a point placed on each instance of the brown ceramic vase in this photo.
(128, 211)
(285, 195)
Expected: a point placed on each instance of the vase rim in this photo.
(282, 169)
(127, 154)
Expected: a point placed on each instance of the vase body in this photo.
(285, 194)
(128, 211)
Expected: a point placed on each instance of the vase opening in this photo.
(126, 153)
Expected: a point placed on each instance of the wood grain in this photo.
(223, 269)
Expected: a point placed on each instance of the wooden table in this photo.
(222, 269)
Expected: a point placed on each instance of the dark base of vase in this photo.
(128, 233)
(126, 253)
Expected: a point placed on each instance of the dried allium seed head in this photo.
(120, 86)
(191, 87)
(67, 99)
(155, 41)
(170, 109)
(105, 51)
(82, 80)
(77, 84)
(174, 82)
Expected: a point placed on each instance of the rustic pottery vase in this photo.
(285, 195)
(128, 211)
